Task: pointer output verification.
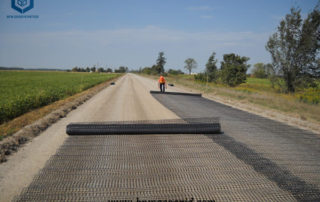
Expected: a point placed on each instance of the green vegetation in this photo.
(22, 91)
(211, 72)
(190, 64)
(261, 70)
(211, 68)
(294, 49)
(122, 69)
(233, 69)
(157, 68)
(175, 72)
(232, 72)
(161, 61)
(304, 103)
(290, 84)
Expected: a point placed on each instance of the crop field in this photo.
(22, 91)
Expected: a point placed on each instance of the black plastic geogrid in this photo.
(170, 126)
(176, 93)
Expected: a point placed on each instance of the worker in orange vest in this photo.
(162, 84)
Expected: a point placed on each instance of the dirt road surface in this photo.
(177, 167)
(127, 100)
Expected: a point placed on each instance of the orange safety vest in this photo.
(162, 80)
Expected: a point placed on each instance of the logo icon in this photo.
(22, 6)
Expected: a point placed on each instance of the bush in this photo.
(149, 71)
(121, 69)
(233, 69)
(201, 77)
(175, 72)
(259, 71)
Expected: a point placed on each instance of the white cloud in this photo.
(131, 47)
(199, 8)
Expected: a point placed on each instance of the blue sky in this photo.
(110, 33)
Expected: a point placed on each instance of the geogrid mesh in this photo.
(148, 167)
(170, 126)
(176, 93)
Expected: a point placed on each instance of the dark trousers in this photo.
(162, 87)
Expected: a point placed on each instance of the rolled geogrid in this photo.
(191, 126)
(176, 93)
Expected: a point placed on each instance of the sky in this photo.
(113, 33)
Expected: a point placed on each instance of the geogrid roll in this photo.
(176, 93)
(172, 126)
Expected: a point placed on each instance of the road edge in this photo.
(272, 114)
(11, 144)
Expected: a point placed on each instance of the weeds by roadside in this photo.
(303, 104)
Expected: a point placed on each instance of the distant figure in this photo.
(162, 84)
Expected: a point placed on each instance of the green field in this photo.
(22, 91)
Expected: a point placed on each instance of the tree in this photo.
(121, 69)
(234, 69)
(161, 61)
(109, 70)
(190, 64)
(75, 69)
(294, 48)
(93, 69)
(100, 69)
(259, 70)
(155, 69)
(269, 70)
(211, 68)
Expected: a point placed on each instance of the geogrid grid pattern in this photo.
(161, 167)
(286, 155)
(256, 159)
(169, 126)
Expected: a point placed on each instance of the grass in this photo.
(303, 104)
(23, 91)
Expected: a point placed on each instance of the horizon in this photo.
(110, 34)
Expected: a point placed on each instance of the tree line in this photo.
(158, 68)
(294, 50)
(295, 54)
(121, 69)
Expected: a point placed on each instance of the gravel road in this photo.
(256, 159)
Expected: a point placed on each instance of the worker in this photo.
(162, 84)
